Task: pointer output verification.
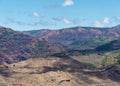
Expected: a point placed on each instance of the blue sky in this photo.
(25, 15)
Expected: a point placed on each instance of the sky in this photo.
(24, 15)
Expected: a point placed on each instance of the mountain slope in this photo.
(16, 46)
(113, 45)
(79, 37)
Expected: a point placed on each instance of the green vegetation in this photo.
(70, 53)
(90, 44)
(108, 61)
(93, 59)
(111, 58)
(118, 59)
(101, 41)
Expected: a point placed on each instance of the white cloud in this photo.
(67, 21)
(74, 21)
(98, 24)
(106, 20)
(67, 3)
(103, 23)
(35, 14)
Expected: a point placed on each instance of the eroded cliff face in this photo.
(17, 46)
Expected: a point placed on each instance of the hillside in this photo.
(45, 72)
(79, 37)
(17, 46)
(113, 45)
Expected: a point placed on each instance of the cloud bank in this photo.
(103, 23)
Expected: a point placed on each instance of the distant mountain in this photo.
(79, 37)
(16, 46)
(113, 45)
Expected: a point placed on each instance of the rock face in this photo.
(17, 46)
(80, 36)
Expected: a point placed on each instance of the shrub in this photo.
(107, 61)
(118, 59)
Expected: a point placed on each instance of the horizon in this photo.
(60, 28)
(25, 15)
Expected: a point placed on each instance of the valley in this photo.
(27, 60)
(59, 43)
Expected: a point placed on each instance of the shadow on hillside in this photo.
(73, 66)
(112, 73)
(70, 65)
(5, 71)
